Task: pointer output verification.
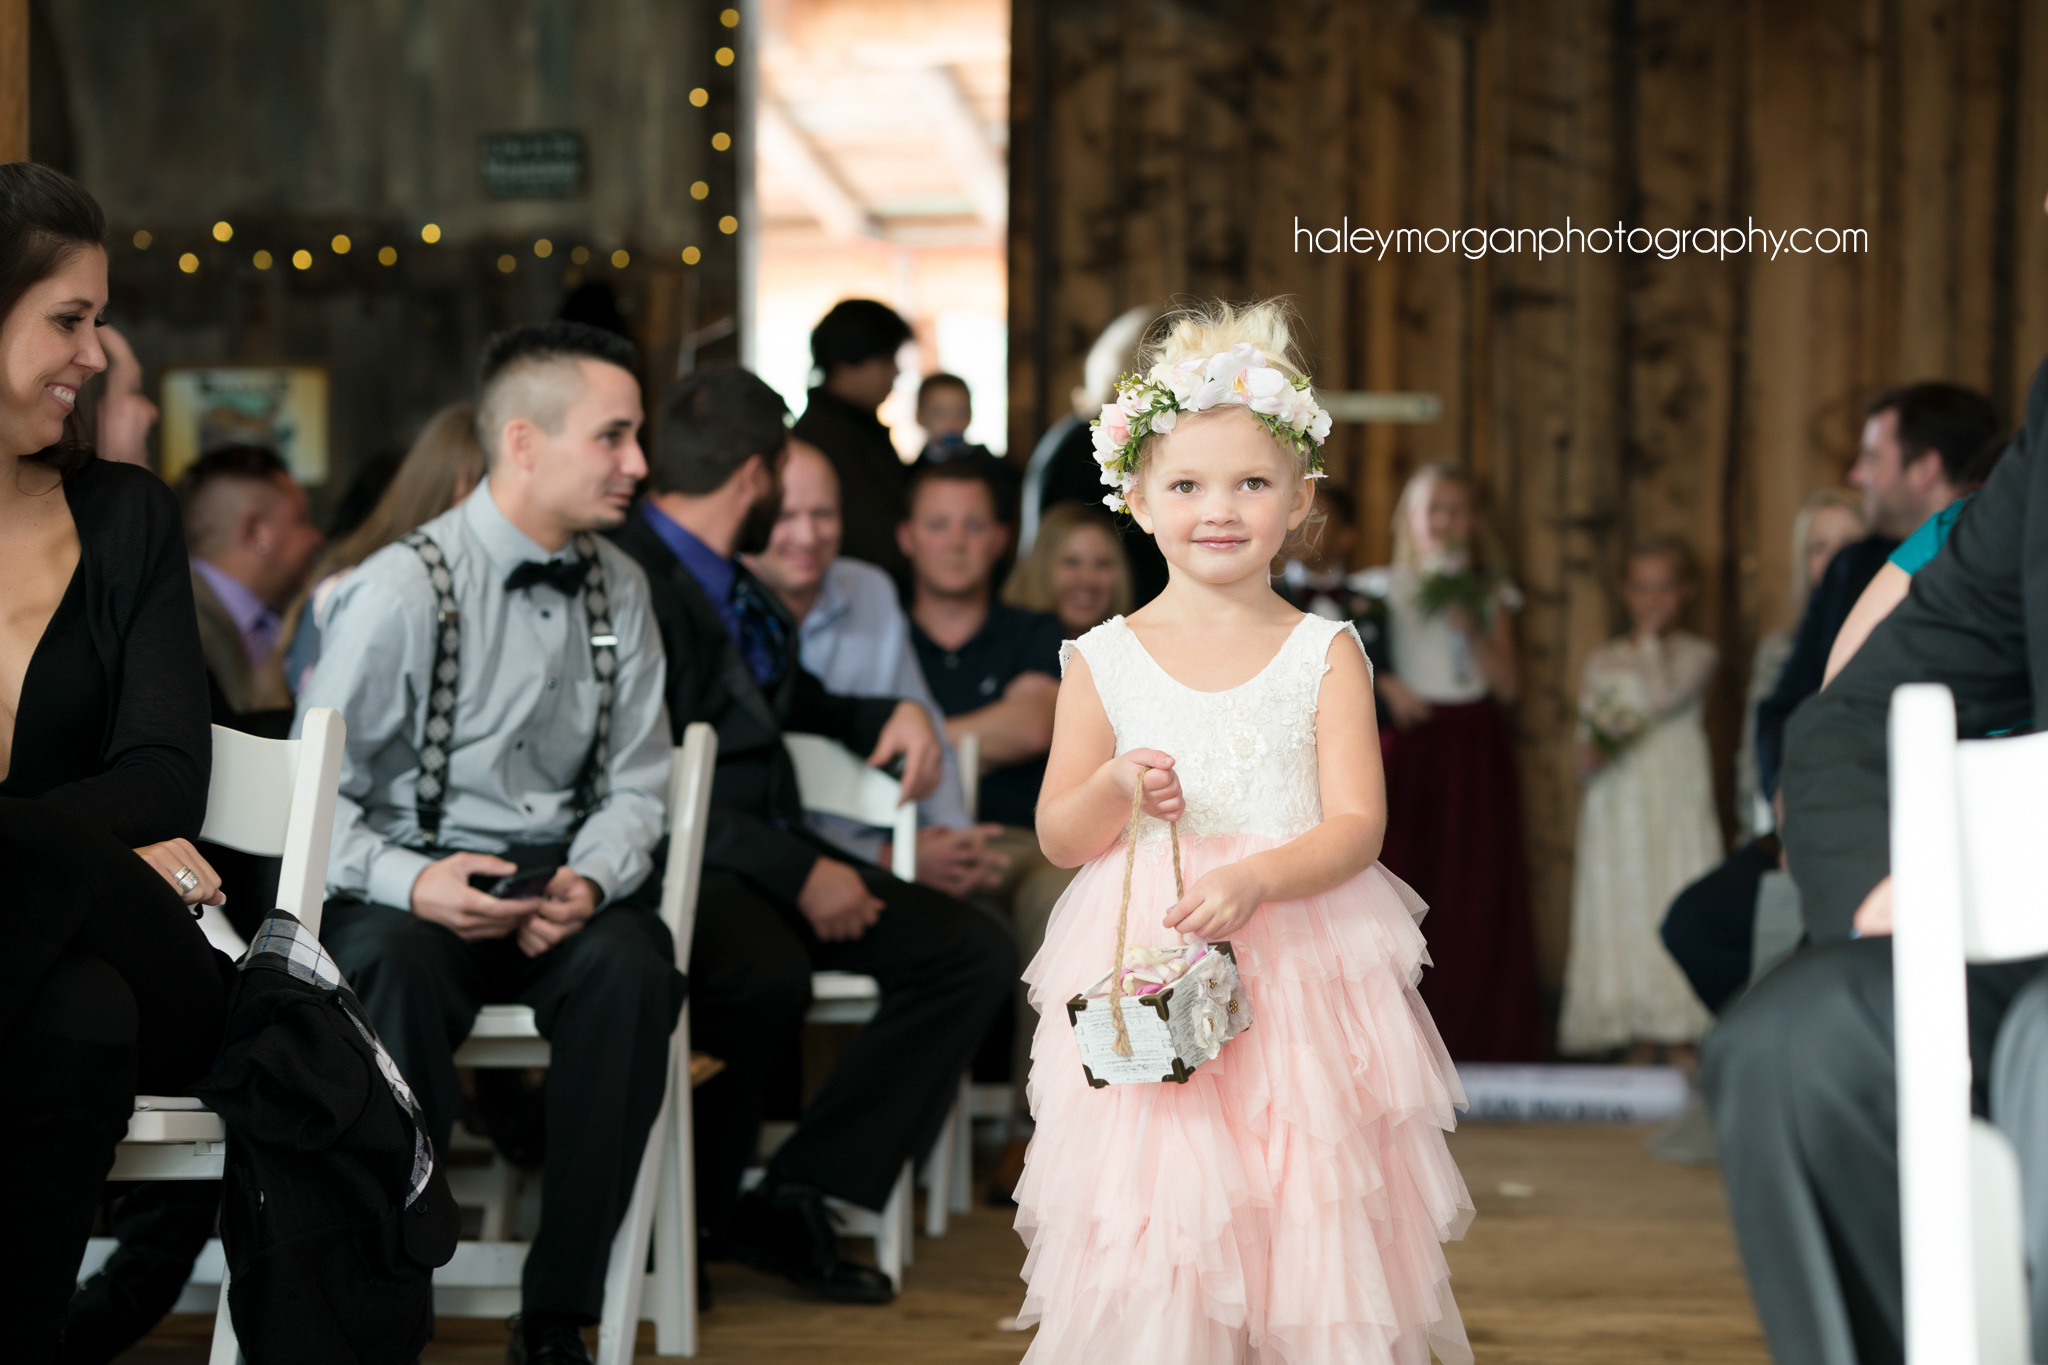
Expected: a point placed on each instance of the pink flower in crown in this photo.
(1269, 391)
(1319, 426)
(1112, 433)
(1133, 400)
(1180, 380)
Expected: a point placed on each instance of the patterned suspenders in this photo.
(432, 789)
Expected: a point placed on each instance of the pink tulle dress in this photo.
(1286, 1204)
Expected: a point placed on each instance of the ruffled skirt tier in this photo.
(1287, 1204)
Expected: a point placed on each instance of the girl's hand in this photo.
(1154, 769)
(1409, 709)
(1219, 903)
(175, 856)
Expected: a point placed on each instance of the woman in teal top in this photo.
(1888, 588)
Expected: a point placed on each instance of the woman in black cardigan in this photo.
(107, 987)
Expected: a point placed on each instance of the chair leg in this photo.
(962, 1193)
(227, 1348)
(938, 1175)
(674, 1286)
(892, 1231)
(626, 1278)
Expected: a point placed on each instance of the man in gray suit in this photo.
(1800, 1073)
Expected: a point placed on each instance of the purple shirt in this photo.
(716, 575)
(253, 617)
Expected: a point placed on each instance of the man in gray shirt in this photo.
(502, 793)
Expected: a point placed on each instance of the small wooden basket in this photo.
(1174, 1029)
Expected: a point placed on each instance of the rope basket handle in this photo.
(1122, 1046)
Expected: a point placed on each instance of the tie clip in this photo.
(604, 641)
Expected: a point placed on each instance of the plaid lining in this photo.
(284, 944)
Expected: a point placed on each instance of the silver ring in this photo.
(187, 880)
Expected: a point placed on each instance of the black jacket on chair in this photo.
(331, 1225)
(756, 826)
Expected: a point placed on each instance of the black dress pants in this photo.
(606, 999)
(1800, 1077)
(107, 990)
(945, 969)
(1710, 929)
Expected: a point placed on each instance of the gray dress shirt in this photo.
(525, 711)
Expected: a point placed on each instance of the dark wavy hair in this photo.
(46, 218)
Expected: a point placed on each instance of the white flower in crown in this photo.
(1152, 406)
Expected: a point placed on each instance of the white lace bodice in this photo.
(1246, 756)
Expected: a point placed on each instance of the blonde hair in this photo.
(1803, 523)
(1202, 330)
(1663, 545)
(1030, 584)
(1485, 549)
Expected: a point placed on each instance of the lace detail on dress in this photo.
(1247, 756)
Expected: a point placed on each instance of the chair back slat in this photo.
(831, 781)
(2002, 786)
(275, 798)
(689, 805)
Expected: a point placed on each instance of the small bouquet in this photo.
(1612, 723)
(1449, 579)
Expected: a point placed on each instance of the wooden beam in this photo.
(13, 80)
(793, 158)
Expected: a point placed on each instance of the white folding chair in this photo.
(273, 798)
(833, 781)
(990, 1101)
(483, 1278)
(1969, 867)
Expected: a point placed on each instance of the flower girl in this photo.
(1647, 826)
(1285, 1203)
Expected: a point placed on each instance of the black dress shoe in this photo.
(548, 1341)
(788, 1232)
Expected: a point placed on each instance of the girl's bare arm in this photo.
(1085, 800)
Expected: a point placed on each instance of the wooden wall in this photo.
(297, 122)
(1164, 147)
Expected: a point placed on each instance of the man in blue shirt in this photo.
(777, 902)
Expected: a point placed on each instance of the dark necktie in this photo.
(565, 576)
(764, 642)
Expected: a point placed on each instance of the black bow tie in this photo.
(565, 576)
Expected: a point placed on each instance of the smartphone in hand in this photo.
(514, 886)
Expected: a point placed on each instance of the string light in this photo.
(543, 248)
(581, 255)
(341, 244)
(387, 255)
(506, 265)
(142, 239)
(620, 260)
(700, 190)
(261, 260)
(691, 255)
(729, 17)
(188, 263)
(302, 259)
(223, 231)
(720, 141)
(728, 225)
(700, 97)
(723, 56)
(431, 233)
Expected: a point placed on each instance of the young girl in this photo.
(1285, 1203)
(1647, 827)
(1454, 820)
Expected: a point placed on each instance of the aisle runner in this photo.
(1573, 1094)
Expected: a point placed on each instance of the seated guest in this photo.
(945, 409)
(854, 638)
(107, 987)
(1888, 588)
(1800, 1072)
(1076, 570)
(541, 771)
(122, 413)
(777, 904)
(443, 467)
(1063, 469)
(1919, 444)
(1710, 928)
(252, 541)
(854, 348)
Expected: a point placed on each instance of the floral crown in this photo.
(1152, 404)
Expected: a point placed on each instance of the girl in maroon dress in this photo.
(1454, 806)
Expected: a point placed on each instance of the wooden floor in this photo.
(1585, 1252)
